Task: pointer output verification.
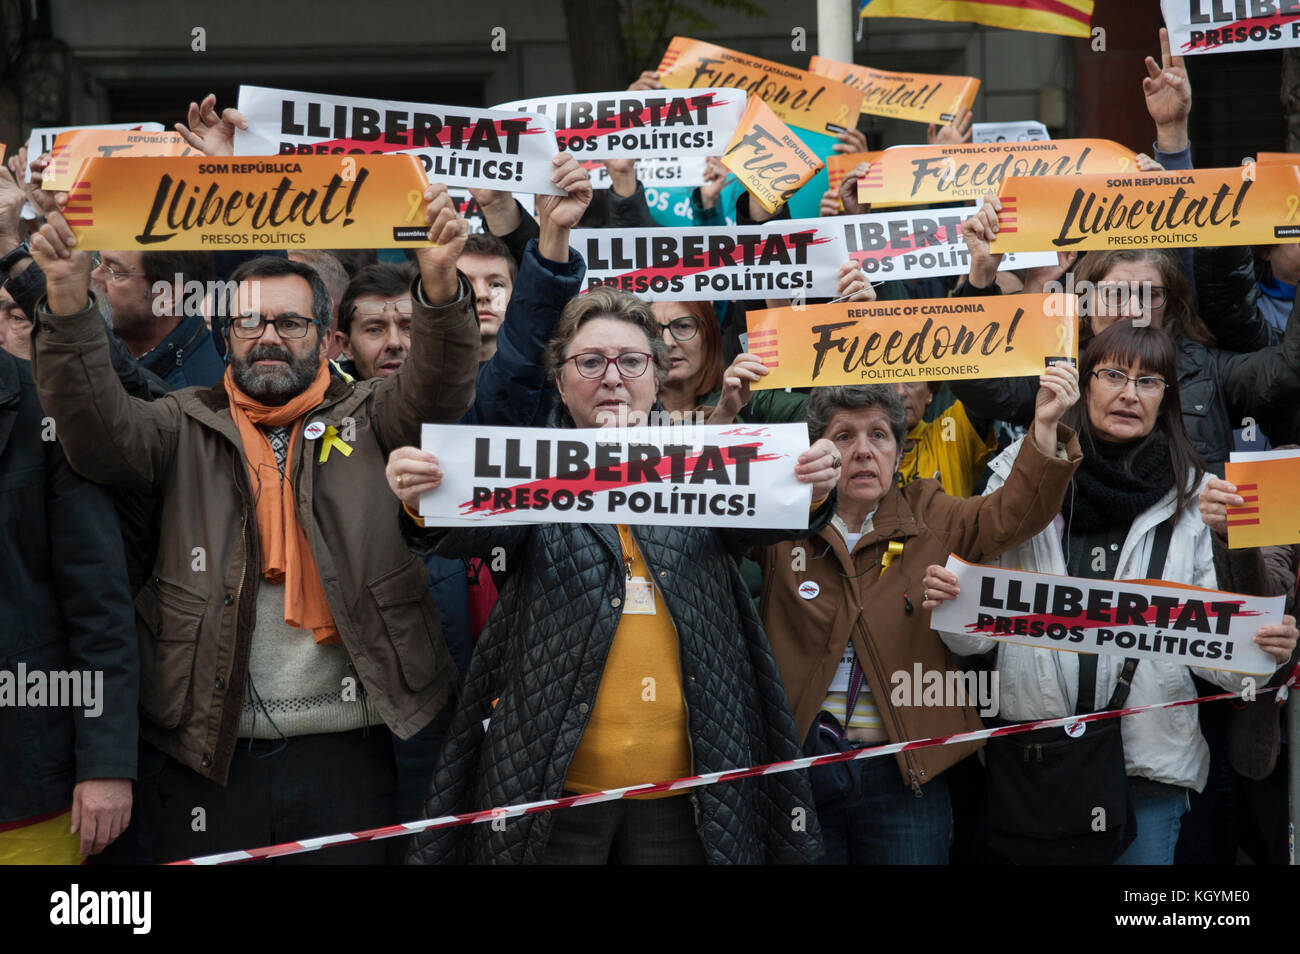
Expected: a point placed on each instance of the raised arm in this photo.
(108, 436)
(436, 382)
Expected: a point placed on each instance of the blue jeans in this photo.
(886, 824)
(1158, 821)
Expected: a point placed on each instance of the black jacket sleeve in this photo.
(1229, 296)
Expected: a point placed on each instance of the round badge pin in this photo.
(1075, 729)
(313, 430)
(809, 589)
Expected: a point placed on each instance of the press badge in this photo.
(841, 681)
(640, 597)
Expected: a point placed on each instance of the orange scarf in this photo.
(285, 554)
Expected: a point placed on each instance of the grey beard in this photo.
(278, 387)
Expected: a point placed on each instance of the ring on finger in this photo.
(401, 480)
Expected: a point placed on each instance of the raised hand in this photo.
(448, 230)
(978, 231)
(743, 371)
(212, 134)
(66, 268)
(1169, 97)
(1058, 390)
(957, 131)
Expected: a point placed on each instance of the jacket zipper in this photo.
(885, 708)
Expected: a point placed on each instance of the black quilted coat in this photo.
(542, 654)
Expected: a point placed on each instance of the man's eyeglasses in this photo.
(1115, 294)
(114, 273)
(373, 309)
(683, 329)
(254, 326)
(630, 364)
(1115, 380)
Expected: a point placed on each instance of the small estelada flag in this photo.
(768, 158)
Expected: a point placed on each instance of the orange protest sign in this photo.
(1270, 489)
(1244, 205)
(923, 175)
(940, 339)
(840, 164)
(922, 97)
(74, 147)
(768, 158)
(800, 97)
(203, 202)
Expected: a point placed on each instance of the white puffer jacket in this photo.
(1164, 746)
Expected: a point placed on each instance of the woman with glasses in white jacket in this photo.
(1139, 471)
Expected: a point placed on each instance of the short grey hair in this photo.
(823, 403)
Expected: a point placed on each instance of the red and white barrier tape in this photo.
(693, 781)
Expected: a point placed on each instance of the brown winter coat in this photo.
(855, 601)
(195, 614)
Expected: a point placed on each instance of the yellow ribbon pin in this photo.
(895, 550)
(329, 442)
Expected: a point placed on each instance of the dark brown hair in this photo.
(1152, 349)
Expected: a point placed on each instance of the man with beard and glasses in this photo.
(285, 616)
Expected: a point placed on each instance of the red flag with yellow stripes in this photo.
(1067, 17)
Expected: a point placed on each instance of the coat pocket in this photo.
(168, 619)
(406, 610)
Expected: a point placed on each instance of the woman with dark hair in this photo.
(1219, 389)
(843, 616)
(1133, 498)
(556, 698)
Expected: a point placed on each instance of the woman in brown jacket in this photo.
(844, 616)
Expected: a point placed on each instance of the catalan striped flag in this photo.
(1067, 17)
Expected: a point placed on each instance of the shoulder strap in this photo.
(1155, 570)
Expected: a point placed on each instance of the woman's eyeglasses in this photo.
(683, 329)
(1115, 380)
(630, 364)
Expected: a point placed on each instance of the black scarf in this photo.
(1105, 495)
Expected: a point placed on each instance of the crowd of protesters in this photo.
(288, 651)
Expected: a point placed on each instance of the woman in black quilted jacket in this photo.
(617, 655)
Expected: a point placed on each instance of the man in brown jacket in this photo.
(285, 615)
(850, 636)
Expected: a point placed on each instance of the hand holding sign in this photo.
(448, 231)
(1058, 389)
(938, 584)
(412, 472)
(978, 231)
(853, 284)
(1169, 97)
(565, 211)
(735, 386)
(959, 130)
(209, 133)
(42, 201)
(820, 466)
(1216, 497)
(849, 190)
(67, 270)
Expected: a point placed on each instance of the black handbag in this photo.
(1053, 799)
(838, 782)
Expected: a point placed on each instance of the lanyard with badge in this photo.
(848, 674)
(640, 596)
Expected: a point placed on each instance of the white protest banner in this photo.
(1230, 26)
(919, 244)
(780, 259)
(1026, 131)
(1143, 619)
(695, 475)
(457, 145)
(641, 124)
(660, 172)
